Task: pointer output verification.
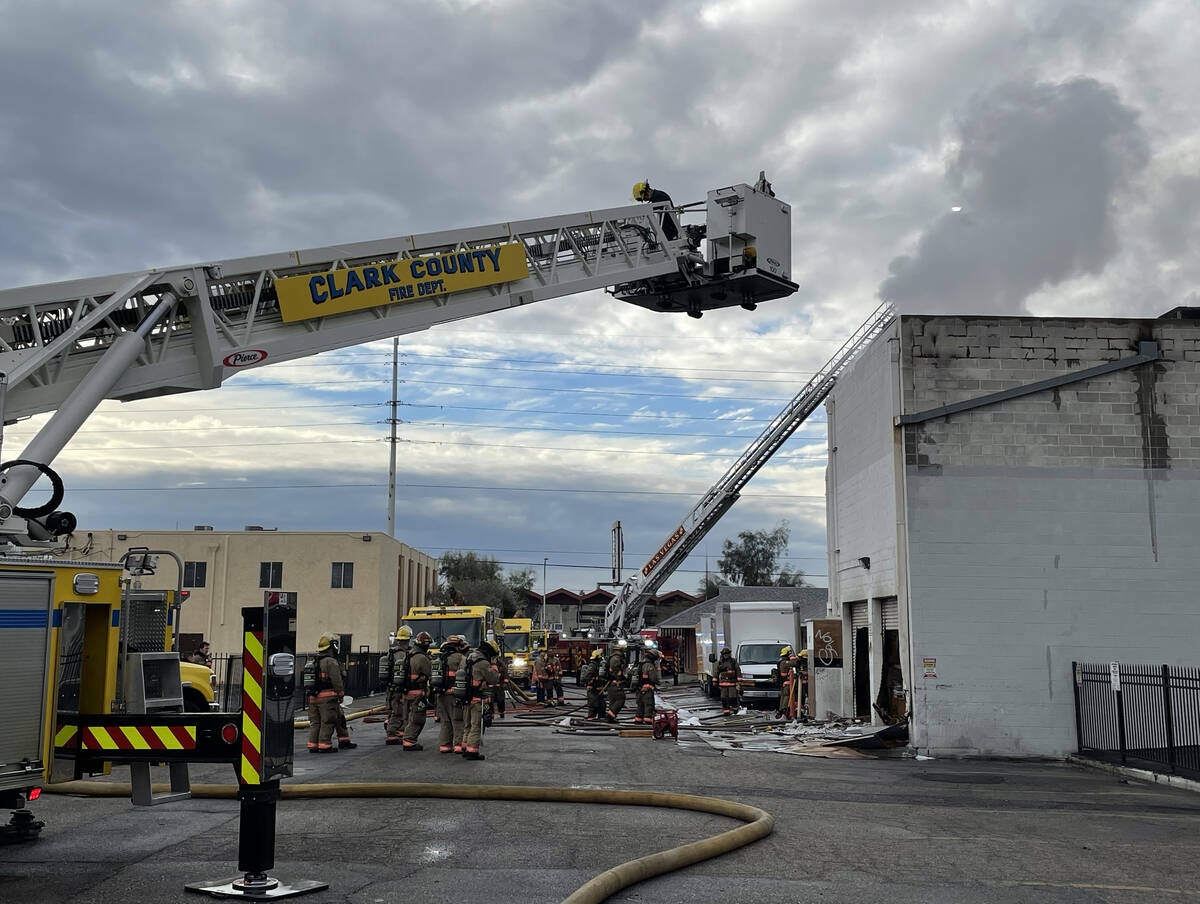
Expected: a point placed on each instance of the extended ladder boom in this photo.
(67, 346)
(624, 613)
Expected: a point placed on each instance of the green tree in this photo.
(752, 560)
(481, 581)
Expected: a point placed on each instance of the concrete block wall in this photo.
(1050, 528)
(1146, 416)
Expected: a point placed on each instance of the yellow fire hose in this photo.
(350, 718)
(759, 823)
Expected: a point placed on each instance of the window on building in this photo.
(343, 576)
(195, 574)
(270, 575)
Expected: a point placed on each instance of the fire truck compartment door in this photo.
(25, 603)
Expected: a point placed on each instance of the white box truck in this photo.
(755, 630)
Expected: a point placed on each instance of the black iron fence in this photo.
(1139, 715)
(360, 676)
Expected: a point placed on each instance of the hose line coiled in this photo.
(758, 823)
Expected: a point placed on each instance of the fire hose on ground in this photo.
(758, 823)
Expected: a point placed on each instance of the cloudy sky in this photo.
(969, 157)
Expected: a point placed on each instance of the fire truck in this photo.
(475, 623)
(518, 650)
(67, 346)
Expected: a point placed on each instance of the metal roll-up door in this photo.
(24, 648)
(858, 615)
(890, 610)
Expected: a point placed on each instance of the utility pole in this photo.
(544, 561)
(393, 421)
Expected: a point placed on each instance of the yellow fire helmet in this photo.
(325, 642)
(597, 653)
(786, 651)
(641, 190)
(804, 654)
(404, 632)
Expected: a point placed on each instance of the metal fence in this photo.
(1139, 715)
(360, 675)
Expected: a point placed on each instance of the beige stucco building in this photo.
(355, 584)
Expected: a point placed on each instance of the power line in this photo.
(430, 486)
(807, 574)
(518, 427)
(141, 430)
(459, 356)
(510, 427)
(190, 446)
(606, 414)
(599, 392)
(528, 389)
(587, 552)
(436, 442)
(557, 371)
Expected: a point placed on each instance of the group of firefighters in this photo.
(606, 676)
(460, 680)
(791, 673)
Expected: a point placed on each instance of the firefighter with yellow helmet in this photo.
(397, 678)
(596, 681)
(419, 670)
(643, 192)
(789, 672)
(324, 688)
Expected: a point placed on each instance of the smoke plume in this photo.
(1034, 181)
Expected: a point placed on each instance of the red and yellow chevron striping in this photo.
(252, 700)
(137, 737)
(66, 737)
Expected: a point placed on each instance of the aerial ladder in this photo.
(625, 613)
(67, 346)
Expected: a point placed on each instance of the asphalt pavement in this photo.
(891, 830)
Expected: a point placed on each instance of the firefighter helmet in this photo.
(653, 653)
(488, 649)
(641, 190)
(404, 632)
(804, 654)
(423, 639)
(597, 653)
(326, 642)
(725, 651)
(786, 651)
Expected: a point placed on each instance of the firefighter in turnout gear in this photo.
(788, 673)
(325, 696)
(616, 682)
(646, 681)
(450, 710)
(500, 691)
(643, 192)
(397, 683)
(728, 673)
(481, 678)
(419, 670)
(595, 677)
(552, 669)
(542, 677)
